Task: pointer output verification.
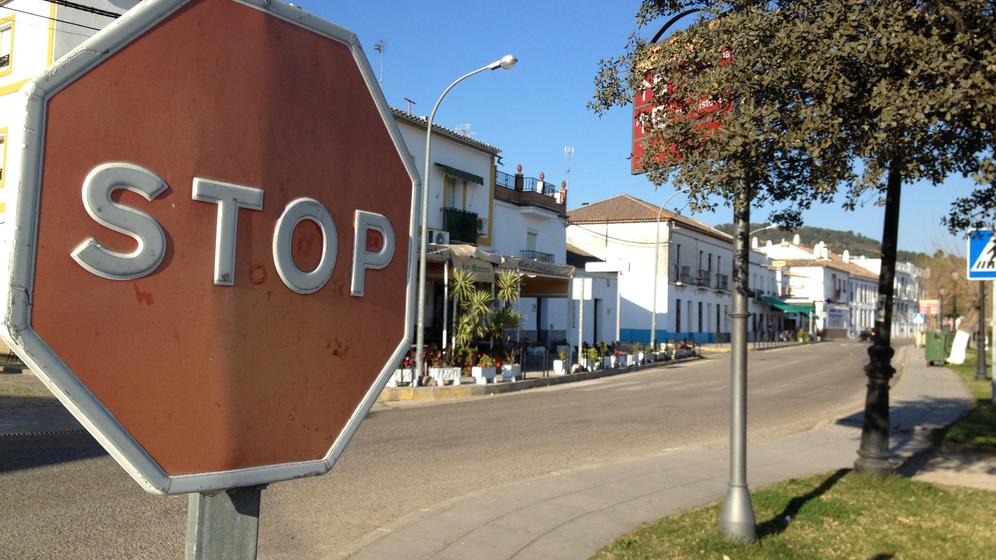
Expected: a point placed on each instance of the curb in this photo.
(396, 394)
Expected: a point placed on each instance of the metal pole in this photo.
(580, 323)
(446, 298)
(223, 525)
(873, 454)
(505, 62)
(980, 369)
(736, 520)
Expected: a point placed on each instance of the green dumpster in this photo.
(938, 347)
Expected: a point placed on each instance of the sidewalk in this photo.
(572, 514)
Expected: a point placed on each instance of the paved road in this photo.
(61, 497)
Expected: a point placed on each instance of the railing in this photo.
(461, 224)
(683, 274)
(537, 255)
(503, 179)
(704, 278)
(722, 282)
(507, 180)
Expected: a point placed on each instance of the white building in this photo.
(510, 222)
(692, 276)
(844, 289)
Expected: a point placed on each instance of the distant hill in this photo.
(836, 240)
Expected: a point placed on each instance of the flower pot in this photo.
(483, 375)
(558, 367)
(444, 374)
(511, 372)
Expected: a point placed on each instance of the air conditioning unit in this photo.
(439, 237)
(482, 226)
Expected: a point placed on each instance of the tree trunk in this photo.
(873, 455)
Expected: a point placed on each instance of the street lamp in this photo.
(505, 63)
(657, 251)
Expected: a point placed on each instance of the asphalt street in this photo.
(61, 496)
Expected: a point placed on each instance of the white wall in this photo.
(460, 156)
(512, 226)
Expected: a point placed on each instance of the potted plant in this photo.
(484, 371)
(511, 369)
(560, 364)
(592, 354)
(440, 368)
(605, 355)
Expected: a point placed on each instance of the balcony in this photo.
(704, 278)
(682, 274)
(461, 224)
(530, 194)
(537, 255)
(722, 282)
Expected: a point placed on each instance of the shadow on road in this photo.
(780, 521)
(20, 452)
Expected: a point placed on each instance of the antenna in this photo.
(411, 105)
(379, 49)
(569, 156)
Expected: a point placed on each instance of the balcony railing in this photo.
(704, 278)
(683, 274)
(461, 224)
(507, 180)
(722, 282)
(537, 255)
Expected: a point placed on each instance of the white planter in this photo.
(558, 367)
(609, 362)
(399, 376)
(483, 375)
(442, 375)
(511, 372)
(639, 357)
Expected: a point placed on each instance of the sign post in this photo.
(981, 265)
(212, 368)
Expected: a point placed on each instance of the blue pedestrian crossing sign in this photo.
(981, 255)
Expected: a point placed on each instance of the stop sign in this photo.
(212, 259)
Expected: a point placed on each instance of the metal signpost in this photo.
(581, 291)
(212, 368)
(981, 266)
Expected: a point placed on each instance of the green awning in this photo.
(787, 307)
(465, 175)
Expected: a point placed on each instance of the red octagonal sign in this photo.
(212, 258)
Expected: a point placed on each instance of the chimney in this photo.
(767, 244)
(846, 256)
(518, 177)
(753, 243)
(563, 193)
(795, 239)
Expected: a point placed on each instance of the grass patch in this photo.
(977, 429)
(839, 514)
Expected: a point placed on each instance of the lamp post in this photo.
(657, 252)
(504, 62)
(980, 370)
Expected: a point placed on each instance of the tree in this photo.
(788, 102)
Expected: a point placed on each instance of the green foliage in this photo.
(481, 315)
(817, 97)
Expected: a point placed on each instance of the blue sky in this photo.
(533, 111)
